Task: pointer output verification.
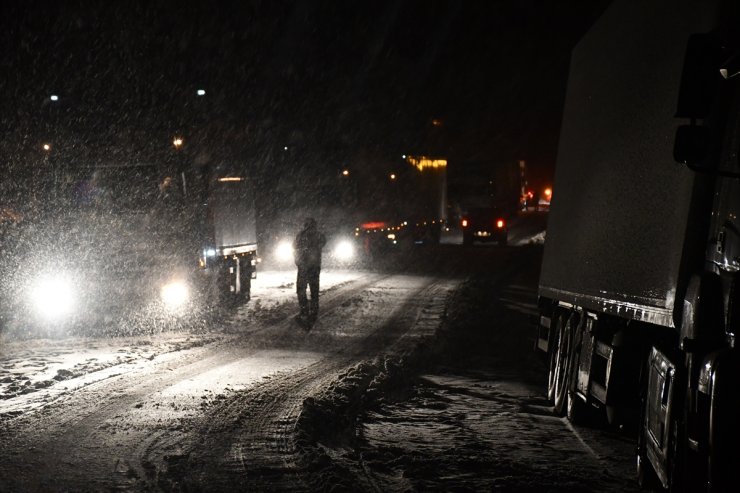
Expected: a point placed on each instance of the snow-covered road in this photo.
(418, 375)
(207, 411)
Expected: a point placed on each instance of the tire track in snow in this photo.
(263, 450)
(90, 426)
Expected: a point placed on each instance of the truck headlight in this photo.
(284, 251)
(344, 250)
(175, 294)
(53, 297)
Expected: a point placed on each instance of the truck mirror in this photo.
(701, 76)
(691, 145)
(731, 67)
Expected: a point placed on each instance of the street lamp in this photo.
(201, 92)
(54, 97)
(177, 142)
(393, 176)
(345, 172)
(46, 147)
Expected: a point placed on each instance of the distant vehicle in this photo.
(117, 245)
(340, 250)
(413, 212)
(639, 289)
(485, 224)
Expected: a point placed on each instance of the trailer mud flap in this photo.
(543, 333)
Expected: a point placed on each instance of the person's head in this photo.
(309, 223)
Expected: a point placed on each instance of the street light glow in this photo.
(47, 147)
(54, 97)
(177, 142)
(345, 172)
(393, 176)
(423, 162)
(201, 92)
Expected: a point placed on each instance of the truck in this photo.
(486, 195)
(639, 305)
(409, 208)
(129, 247)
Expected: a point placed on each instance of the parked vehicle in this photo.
(485, 224)
(639, 284)
(411, 210)
(125, 246)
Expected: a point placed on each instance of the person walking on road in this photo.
(307, 251)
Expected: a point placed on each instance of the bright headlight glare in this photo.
(175, 294)
(53, 297)
(284, 251)
(344, 250)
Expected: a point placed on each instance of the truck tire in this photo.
(647, 478)
(563, 364)
(556, 388)
(646, 475)
(678, 479)
(553, 344)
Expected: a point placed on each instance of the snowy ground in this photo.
(418, 376)
(47, 368)
(474, 417)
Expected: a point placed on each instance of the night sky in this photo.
(329, 80)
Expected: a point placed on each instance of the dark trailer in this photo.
(639, 285)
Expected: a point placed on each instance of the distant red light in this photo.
(500, 223)
(373, 225)
(464, 223)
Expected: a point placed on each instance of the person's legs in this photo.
(300, 286)
(313, 284)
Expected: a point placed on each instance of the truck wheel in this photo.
(678, 479)
(646, 476)
(558, 364)
(553, 346)
(562, 369)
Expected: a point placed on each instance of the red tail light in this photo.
(464, 223)
(500, 223)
